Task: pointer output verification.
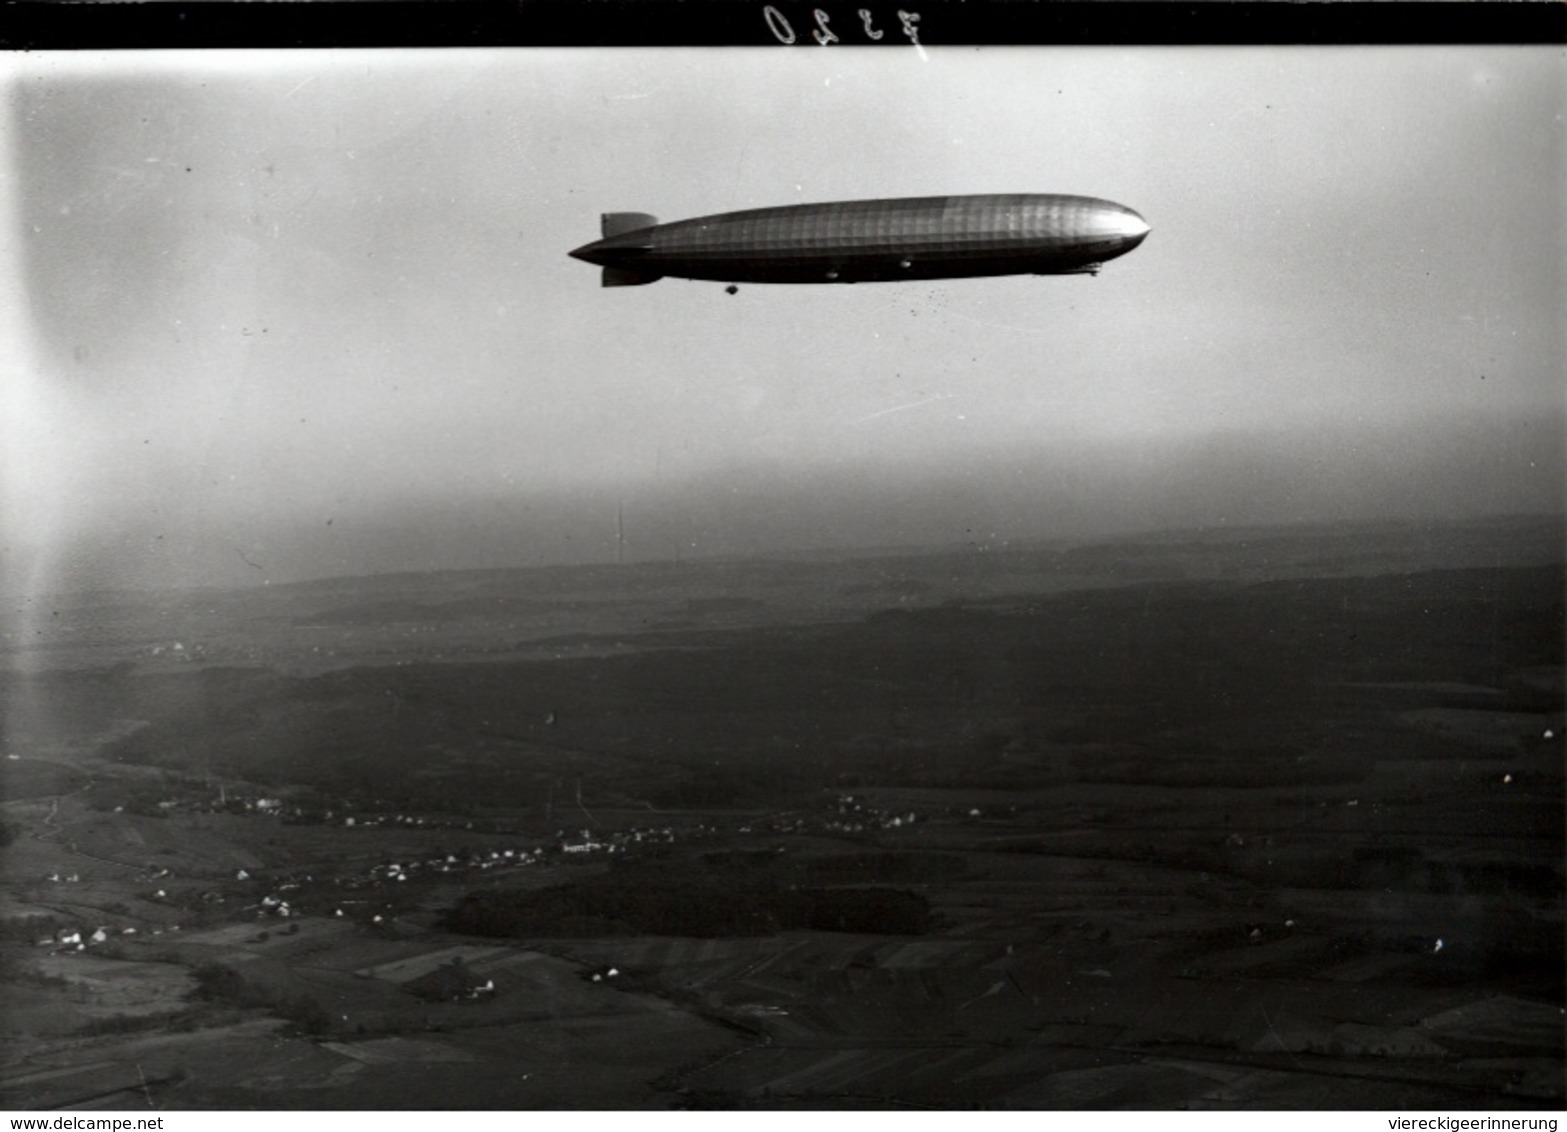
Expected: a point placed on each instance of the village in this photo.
(376, 892)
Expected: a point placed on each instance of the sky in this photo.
(271, 316)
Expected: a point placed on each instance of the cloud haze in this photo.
(282, 316)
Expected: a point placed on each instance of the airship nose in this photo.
(1125, 225)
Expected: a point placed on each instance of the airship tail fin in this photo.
(614, 223)
(623, 277)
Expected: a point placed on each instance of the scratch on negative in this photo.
(300, 87)
(900, 408)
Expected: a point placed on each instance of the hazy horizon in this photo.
(280, 316)
(411, 546)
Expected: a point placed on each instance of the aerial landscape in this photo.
(440, 672)
(1268, 818)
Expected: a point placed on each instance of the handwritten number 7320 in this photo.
(823, 34)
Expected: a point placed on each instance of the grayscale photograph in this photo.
(788, 578)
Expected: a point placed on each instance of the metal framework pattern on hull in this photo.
(954, 226)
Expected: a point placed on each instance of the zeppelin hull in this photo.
(879, 240)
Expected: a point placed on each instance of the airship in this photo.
(870, 241)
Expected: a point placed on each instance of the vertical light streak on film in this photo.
(38, 461)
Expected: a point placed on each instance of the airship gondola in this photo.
(870, 241)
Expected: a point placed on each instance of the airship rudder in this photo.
(616, 224)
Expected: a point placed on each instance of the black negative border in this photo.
(34, 25)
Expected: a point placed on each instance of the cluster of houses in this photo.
(620, 841)
(371, 821)
(451, 863)
(848, 814)
(79, 939)
(198, 802)
(198, 799)
(277, 901)
(852, 814)
(567, 844)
